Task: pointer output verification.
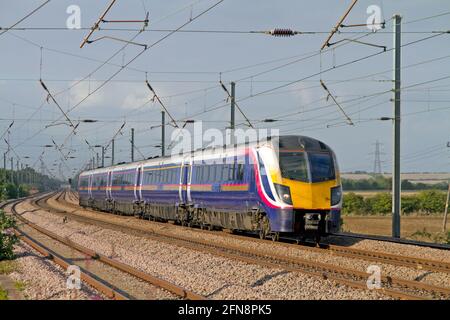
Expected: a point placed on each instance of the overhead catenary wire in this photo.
(349, 120)
(236, 105)
(25, 17)
(141, 52)
(155, 96)
(97, 23)
(310, 76)
(338, 24)
(56, 102)
(130, 61)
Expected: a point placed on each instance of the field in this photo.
(415, 177)
(425, 227)
(371, 193)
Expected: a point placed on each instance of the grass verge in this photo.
(3, 294)
(7, 266)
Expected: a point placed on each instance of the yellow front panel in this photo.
(307, 195)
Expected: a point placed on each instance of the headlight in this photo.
(336, 195)
(284, 193)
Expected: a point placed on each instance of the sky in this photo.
(276, 78)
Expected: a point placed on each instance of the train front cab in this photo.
(310, 177)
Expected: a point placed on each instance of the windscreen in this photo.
(311, 167)
(293, 166)
(321, 166)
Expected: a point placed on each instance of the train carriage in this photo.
(288, 184)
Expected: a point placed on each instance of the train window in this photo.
(198, 174)
(84, 182)
(226, 172)
(172, 176)
(322, 168)
(166, 175)
(158, 176)
(116, 179)
(205, 173)
(240, 172)
(225, 169)
(293, 166)
(232, 174)
(219, 173)
(222, 171)
(214, 174)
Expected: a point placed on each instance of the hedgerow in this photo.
(425, 202)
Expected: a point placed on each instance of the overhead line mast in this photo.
(396, 184)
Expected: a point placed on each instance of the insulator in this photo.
(282, 32)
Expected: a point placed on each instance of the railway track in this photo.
(439, 246)
(397, 288)
(124, 274)
(369, 255)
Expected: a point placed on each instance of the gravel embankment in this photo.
(435, 278)
(207, 274)
(41, 279)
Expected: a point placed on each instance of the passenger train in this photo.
(288, 185)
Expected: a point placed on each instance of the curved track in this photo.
(369, 255)
(95, 276)
(398, 288)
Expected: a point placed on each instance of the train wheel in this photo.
(275, 236)
(264, 227)
(318, 236)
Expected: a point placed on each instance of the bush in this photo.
(353, 203)
(428, 202)
(379, 182)
(432, 201)
(7, 240)
(410, 204)
(380, 203)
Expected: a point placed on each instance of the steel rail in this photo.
(369, 255)
(99, 284)
(177, 290)
(439, 246)
(323, 270)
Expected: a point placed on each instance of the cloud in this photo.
(135, 98)
(303, 93)
(82, 89)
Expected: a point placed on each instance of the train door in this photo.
(189, 180)
(184, 190)
(108, 185)
(181, 185)
(91, 178)
(138, 184)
